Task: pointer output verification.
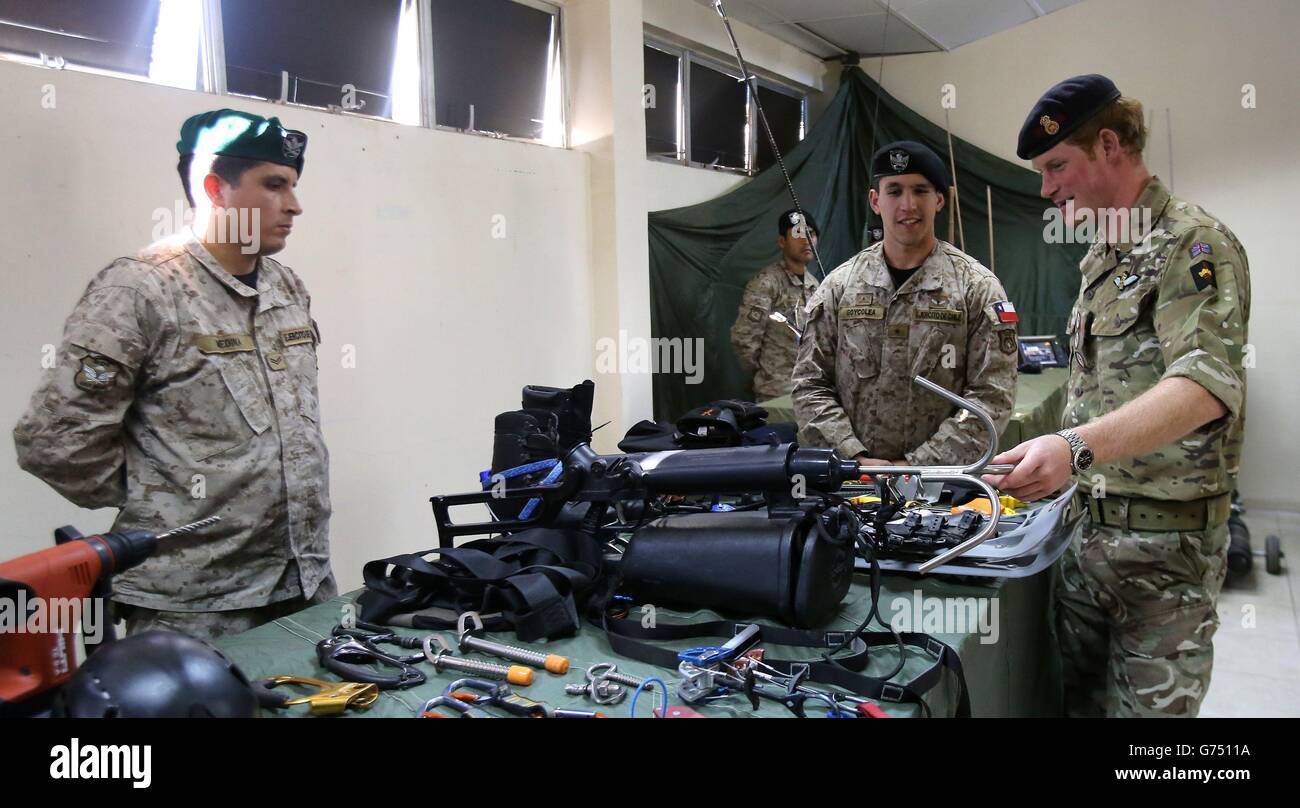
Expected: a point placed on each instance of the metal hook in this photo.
(428, 647)
(460, 623)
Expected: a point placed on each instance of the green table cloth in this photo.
(1010, 668)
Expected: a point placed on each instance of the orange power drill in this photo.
(45, 594)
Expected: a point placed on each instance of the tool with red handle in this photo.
(59, 580)
(868, 710)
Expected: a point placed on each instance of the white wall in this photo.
(669, 185)
(395, 247)
(1243, 165)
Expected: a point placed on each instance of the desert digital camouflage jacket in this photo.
(765, 347)
(179, 393)
(865, 341)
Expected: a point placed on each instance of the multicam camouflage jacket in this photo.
(1171, 300)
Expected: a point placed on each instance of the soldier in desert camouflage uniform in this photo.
(1157, 397)
(765, 347)
(909, 305)
(186, 388)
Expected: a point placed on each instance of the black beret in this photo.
(791, 218)
(233, 133)
(909, 157)
(1061, 111)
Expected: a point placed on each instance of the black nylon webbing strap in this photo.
(626, 638)
(536, 579)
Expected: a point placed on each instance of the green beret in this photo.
(233, 133)
(1062, 110)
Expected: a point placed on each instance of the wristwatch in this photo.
(1080, 454)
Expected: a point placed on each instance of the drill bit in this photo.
(190, 528)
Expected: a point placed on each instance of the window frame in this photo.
(427, 84)
(58, 62)
(756, 130)
(211, 71)
(686, 57)
(679, 103)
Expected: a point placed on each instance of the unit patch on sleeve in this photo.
(1203, 275)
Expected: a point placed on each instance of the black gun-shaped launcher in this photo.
(614, 485)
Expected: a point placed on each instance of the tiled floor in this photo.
(1257, 647)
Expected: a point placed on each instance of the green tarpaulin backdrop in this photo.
(701, 256)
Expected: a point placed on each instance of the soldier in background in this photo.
(764, 346)
(186, 388)
(908, 305)
(1154, 417)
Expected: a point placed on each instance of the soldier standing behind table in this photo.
(908, 305)
(765, 347)
(1154, 415)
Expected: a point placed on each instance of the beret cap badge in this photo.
(1050, 126)
(293, 144)
(898, 159)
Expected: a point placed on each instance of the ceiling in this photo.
(828, 28)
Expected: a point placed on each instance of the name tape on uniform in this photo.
(938, 314)
(297, 336)
(224, 343)
(862, 313)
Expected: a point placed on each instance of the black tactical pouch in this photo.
(521, 438)
(572, 408)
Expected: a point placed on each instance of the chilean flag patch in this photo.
(1006, 312)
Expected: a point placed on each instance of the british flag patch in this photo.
(1201, 248)
(1006, 312)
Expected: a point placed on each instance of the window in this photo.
(316, 52)
(487, 66)
(719, 105)
(662, 104)
(784, 112)
(496, 68)
(153, 39)
(698, 112)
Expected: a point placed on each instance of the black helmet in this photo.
(157, 674)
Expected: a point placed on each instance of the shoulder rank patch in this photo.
(1007, 341)
(1203, 275)
(96, 373)
(755, 315)
(1201, 248)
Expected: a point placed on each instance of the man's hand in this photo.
(1042, 467)
(872, 461)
